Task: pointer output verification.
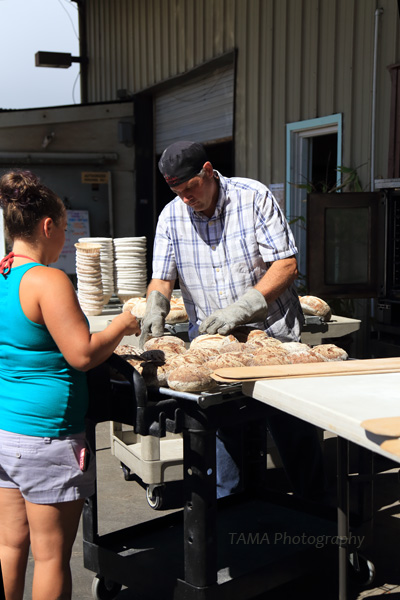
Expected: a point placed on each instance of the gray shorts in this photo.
(46, 470)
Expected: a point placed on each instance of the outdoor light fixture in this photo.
(59, 60)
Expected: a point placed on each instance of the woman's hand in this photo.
(129, 322)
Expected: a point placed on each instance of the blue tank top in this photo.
(40, 393)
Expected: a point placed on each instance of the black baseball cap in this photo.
(181, 161)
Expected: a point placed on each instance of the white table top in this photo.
(335, 403)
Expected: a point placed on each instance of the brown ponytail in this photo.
(25, 201)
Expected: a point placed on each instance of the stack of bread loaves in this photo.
(167, 362)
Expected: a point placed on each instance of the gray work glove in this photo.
(250, 308)
(153, 324)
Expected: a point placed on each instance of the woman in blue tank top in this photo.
(45, 350)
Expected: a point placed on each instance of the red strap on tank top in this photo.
(7, 261)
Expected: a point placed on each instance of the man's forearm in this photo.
(163, 286)
(280, 275)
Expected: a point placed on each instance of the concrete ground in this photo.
(123, 503)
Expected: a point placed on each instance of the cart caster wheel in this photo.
(127, 472)
(104, 590)
(362, 570)
(154, 497)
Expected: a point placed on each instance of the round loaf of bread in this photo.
(269, 356)
(137, 306)
(267, 341)
(312, 305)
(156, 356)
(294, 347)
(130, 304)
(191, 378)
(246, 358)
(258, 343)
(233, 347)
(211, 341)
(330, 352)
(129, 353)
(124, 349)
(308, 356)
(228, 339)
(161, 342)
(177, 313)
(243, 332)
(263, 360)
(224, 360)
(154, 374)
(180, 360)
(203, 353)
(170, 350)
(257, 334)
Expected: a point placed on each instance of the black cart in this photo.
(234, 548)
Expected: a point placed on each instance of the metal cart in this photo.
(153, 462)
(231, 548)
(156, 462)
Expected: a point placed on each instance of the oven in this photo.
(353, 251)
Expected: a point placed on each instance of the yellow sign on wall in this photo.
(94, 177)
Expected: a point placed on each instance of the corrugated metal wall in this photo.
(296, 60)
(200, 110)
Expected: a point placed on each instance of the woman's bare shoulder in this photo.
(48, 278)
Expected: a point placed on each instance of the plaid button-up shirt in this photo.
(218, 259)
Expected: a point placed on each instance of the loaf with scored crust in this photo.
(312, 305)
(224, 361)
(330, 352)
(177, 313)
(191, 379)
(211, 341)
(269, 356)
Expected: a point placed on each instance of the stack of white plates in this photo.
(88, 272)
(130, 273)
(106, 263)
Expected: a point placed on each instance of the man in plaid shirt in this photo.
(234, 254)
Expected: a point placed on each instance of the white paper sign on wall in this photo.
(77, 227)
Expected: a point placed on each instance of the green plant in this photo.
(301, 222)
(350, 183)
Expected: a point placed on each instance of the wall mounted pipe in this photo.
(64, 158)
(378, 13)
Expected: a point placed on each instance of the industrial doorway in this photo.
(313, 155)
(197, 106)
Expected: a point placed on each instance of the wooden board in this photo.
(389, 426)
(349, 367)
(392, 446)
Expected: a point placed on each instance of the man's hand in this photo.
(250, 308)
(157, 308)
